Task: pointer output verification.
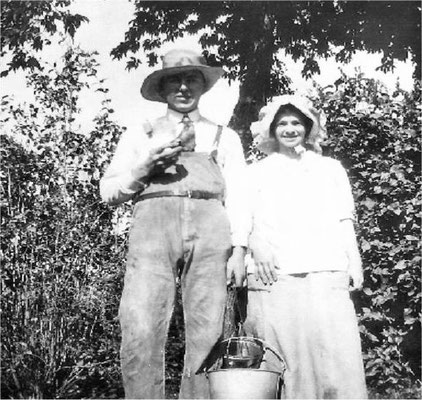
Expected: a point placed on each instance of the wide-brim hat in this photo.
(174, 62)
(261, 128)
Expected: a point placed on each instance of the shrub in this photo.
(62, 264)
(378, 140)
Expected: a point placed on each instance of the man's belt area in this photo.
(191, 194)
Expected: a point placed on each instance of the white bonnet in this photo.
(261, 128)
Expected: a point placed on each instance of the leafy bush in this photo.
(378, 140)
(62, 264)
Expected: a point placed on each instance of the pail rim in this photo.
(245, 370)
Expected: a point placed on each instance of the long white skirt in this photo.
(310, 319)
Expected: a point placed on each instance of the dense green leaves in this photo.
(62, 263)
(378, 139)
(303, 29)
(27, 26)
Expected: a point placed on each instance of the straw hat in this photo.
(261, 128)
(174, 62)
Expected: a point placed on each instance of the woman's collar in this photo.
(294, 153)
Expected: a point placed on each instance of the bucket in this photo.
(244, 383)
(242, 352)
(234, 373)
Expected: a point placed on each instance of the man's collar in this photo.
(176, 116)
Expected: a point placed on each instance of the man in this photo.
(184, 175)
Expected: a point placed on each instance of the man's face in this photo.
(182, 91)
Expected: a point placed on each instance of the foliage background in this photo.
(63, 251)
(63, 257)
(380, 147)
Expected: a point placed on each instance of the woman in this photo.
(305, 255)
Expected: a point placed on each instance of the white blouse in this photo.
(296, 207)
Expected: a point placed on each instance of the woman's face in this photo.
(290, 129)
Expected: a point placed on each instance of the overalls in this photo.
(175, 236)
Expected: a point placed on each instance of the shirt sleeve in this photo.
(259, 232)
(234, 173)
(118, 184)
(345, 200)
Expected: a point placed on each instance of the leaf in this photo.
(369, 203)
(365, 245)
(400, 265)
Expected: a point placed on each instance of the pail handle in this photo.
(277, 354)
(264, 344)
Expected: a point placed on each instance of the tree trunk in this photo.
(255, 86)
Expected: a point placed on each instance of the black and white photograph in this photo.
(210, 199)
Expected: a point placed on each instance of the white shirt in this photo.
(297, 206)
(118, 184)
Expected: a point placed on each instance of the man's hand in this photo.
(164, 156)
(236, 270)
(159, 159)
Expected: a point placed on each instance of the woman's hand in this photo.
(265, 268)
(355, 272)
(354, 269)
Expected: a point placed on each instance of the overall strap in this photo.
(216, 142)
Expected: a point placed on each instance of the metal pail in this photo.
(244, 383)
(243, 352)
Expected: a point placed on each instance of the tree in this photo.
(246, 38)
(62, 260)
(27, 26)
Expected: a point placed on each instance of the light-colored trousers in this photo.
(310, 319)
